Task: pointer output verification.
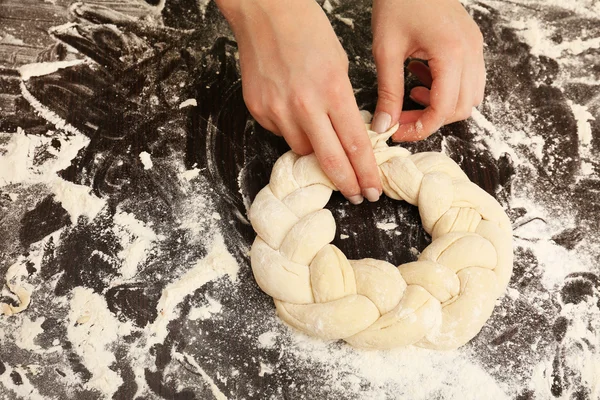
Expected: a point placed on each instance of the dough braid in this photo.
(440, 301)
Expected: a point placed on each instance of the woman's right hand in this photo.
(295, 83)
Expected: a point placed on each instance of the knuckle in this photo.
(478, 37)
(301, 100)
(337, 93)
(276, 108)
(455, 45)
(331, 163)
(354, 145)
(254, 107)
(302, 149)
(382, 52)
(463, 112)
(479, 99)
(442, 114)
(387, 94)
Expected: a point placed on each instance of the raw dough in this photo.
(440, 301)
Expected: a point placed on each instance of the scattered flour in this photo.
(581, 355)
(265, 369)
(206, 312)
(412, 372)
(347, 21)
(202, 4)
(211, 383)
(46, 113)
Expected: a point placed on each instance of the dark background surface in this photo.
(142, 61)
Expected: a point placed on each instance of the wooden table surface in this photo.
(127, 66)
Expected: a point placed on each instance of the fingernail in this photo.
(371, 194)
(381, 122)
(356, 199)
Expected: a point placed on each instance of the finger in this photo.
(298, 142)
(390, 82)
(293, 134)
(348, 124)
(481, 79)
(269, 125)
(421, 95)
(410, 116)
(466, 96)
(446, 74)
(331, 156)
(421, 71)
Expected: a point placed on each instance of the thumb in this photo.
(390, 92)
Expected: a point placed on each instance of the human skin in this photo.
(295, 78)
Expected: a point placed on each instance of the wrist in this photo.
(237, 10)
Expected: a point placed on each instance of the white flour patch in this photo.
(267, 340)
(347, 21)
(243, 190)
(327, 6)
(40, 69)
(217, 263)
(494, 138)
(190, 174)
(188, 103)
(93, 330)
(78, 200)
(584, 132)
(386, 226)
(46, 113)
(25, 390)
(146, 160)
(265, 369)
(137, 240)
(555, 261)
(14, 161)
(206, 312)
(202, 4)
(10, 39)
(18, 162)
(28, 332)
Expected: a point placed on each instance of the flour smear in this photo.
(95, 332)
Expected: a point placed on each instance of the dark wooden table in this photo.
(104, 242)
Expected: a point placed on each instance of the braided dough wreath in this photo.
(440, 301)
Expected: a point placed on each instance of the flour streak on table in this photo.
(126, 169)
